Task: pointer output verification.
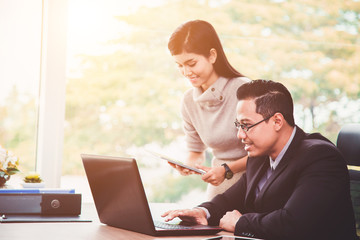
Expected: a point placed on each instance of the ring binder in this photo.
(40, 203)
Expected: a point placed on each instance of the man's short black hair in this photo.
(270, 97)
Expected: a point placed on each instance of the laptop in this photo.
(121, 202)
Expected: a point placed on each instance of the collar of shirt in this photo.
(214, 95)
(273, 164)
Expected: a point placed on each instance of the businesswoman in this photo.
(209, 108)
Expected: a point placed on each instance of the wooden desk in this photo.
(76, 231)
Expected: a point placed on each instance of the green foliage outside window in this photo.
(131, 97)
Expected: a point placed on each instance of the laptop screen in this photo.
(120, 198)
(118, 192)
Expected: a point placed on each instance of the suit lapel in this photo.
(260, 171)
(288, 156)
(272, 178)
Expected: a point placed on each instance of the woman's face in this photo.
(197, 68)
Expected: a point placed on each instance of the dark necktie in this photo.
(263, 180)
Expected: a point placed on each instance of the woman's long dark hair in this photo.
(199, 37)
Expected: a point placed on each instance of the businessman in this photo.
(296, 185)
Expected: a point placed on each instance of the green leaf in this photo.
(12, 171)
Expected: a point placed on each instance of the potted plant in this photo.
(8, 165)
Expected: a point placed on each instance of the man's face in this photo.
(260, 139)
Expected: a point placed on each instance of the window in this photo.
(124, 91)
(96, 77)
(32, 73)
(20, 52)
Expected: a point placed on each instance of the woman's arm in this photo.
(238, 165)
(216, 175)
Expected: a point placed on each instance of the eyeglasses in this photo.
(245, 127)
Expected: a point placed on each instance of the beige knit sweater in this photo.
(208, 123)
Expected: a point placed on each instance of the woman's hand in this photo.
(214, 175)
(183, 171)
(192, 159)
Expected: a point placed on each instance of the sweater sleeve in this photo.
(193, 140)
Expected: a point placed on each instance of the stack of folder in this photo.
(42, 204)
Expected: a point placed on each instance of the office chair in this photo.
(348, 142)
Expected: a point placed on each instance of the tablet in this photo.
(224, 237)
(166, 158)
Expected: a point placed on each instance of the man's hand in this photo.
(195, 216)
(229, 220)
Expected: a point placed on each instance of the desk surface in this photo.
(76, 231)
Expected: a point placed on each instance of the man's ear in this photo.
(213, 55)
(278, 121)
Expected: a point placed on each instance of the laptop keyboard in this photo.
(170, 226)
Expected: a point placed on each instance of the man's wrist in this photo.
(207, 213)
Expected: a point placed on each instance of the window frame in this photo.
(51, 115)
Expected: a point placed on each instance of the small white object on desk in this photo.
(33, 185)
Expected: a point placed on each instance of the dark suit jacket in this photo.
(307, 196)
